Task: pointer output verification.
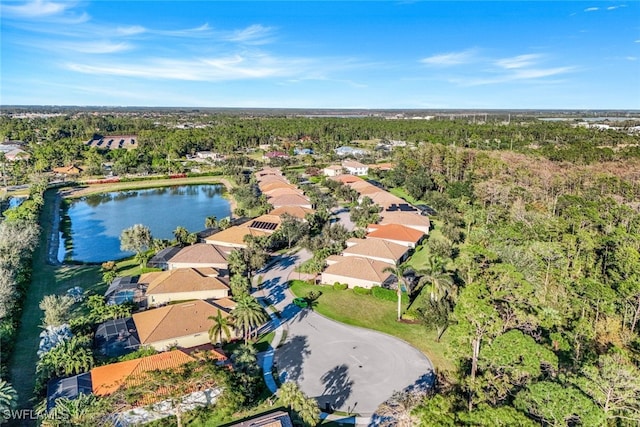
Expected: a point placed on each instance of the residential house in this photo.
(216, 157)
(355, 168)
(116, 337)
(161, 259)
(350, 151)
(124, 289)
(201, 255)
(333, 170)
(277, 192)
(68, 170)
(291, 200)
(346, 179)
(295, 211)
(183, 284)
(384, 199)
(274, 185)
(274, 419)
(182, 325)
(114, 142)
(396, 233)
(16, 154)
(376, 249)
(275, 155)
(234, 237)
(408, 219)
(357, 271)
(108, 379)
(69, 388)
(302, 151)
(267, 179)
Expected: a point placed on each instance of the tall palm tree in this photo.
(399, 270)
(8, 399)
(245, 357)
(248, 314)
(440, 281)
(220, 325)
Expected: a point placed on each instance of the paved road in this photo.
(353, 369)
(343, 216)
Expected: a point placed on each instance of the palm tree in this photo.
(220, 325)
(399, 270)
(441, 284)
(8, 399)
(211, 222)
(248, 314)
(245, 357)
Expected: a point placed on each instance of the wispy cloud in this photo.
(526, 67)
(254, 34)
(130, 30)
(98, 47)
(632, 58)
(520, 61)
(616, 7)
(591, 9)
(236, 67)
(35, 9)
(450, 59)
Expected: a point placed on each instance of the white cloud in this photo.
(520, 61)
(450, 59)
(96, 47)
(235, 67)
(130, 30)
(35, 9)
(591, 9)
(632, 58)
(254, 34)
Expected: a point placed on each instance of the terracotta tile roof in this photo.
(282, 192)
(376, 248)
(394, 232)
(268, 171)
(224, 303)
(109, 378)
(345, 179)
(206, 350)
(385, 199)
(68, 170)
(353, 164)
(290, 200)
(200, 253)
(235, 235)
(254, 223)
(332, 259)
(296, 211)
(265, 188)
(407, 219)
(364, 188)
(175, 321)
(182, 280)
(360, 268)
(266, 179)
(334, 167)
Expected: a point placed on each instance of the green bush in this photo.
(361, 291)
(340, 286)
(384, 294)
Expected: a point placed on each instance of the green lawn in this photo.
(46, 279)
(373, 313)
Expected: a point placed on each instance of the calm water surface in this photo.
(97, 221)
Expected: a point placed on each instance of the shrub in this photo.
(384, 294)
(361, 291)
(340, 286)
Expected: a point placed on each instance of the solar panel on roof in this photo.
(263, 225)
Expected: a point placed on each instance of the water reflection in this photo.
(97, 221)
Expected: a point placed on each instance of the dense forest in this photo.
(534, 272)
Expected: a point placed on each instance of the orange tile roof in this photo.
(405, 218)
(282, 192)
(345, 179)
(266, 179)
(235, 235)
(181, 280)
(296, 211)
(353, 164)
(200, 253)
(68, 170)
(376, 248)
(385, 199)
(175, 321)
(360, 268)
(290, 200)
(394, 232)
(275, 185)
(109, 378)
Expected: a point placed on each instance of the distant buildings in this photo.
(113, 142)
(350, 151)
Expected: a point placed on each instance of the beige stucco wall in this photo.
(187, 341)
(352, 282)
(176, 265)
(158, 299)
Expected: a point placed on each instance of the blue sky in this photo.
(332, 54)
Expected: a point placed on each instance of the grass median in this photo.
(370, 312)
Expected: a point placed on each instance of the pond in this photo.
(97, 221)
